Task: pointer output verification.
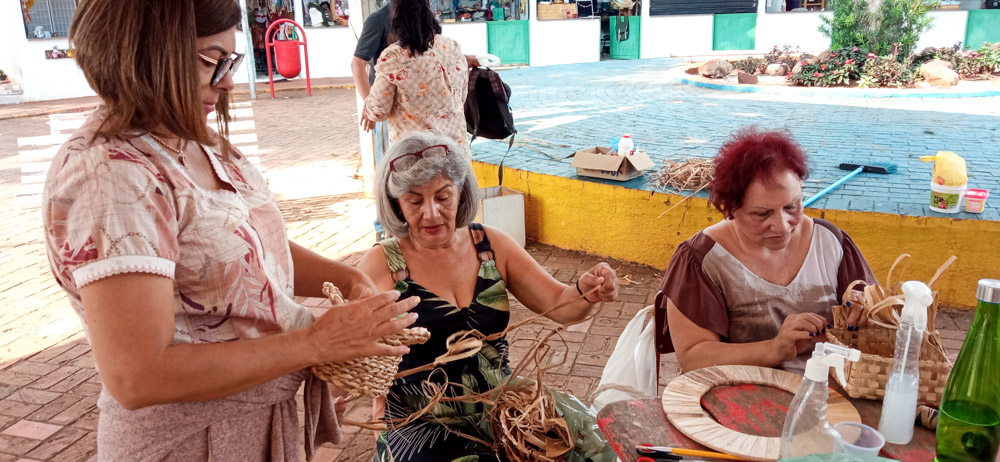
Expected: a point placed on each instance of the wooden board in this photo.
(682, 404)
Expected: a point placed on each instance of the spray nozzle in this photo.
(917, 296)
(827, 355)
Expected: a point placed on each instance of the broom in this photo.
(883, 168)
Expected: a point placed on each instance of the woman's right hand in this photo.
(798, 332)
(353, 330)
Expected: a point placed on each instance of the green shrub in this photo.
(885, 72)
(878, 28)
(989, 57)
(968, 64)
(750, 65)
(838, 69)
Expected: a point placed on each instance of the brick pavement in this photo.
(560, 109)
(48, 384)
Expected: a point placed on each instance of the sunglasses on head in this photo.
(405, 161)
(227, 65)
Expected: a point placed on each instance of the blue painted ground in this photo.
(560, 109)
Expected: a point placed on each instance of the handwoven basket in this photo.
(372, 375)
(867, 377)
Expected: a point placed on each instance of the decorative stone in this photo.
(776, 69)
(745, 78)
(716, 69)
(939, 74)
(798, 65)
(823, 56)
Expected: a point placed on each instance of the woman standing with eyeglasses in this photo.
(173, 252)
(426, 196)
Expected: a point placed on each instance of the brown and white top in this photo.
(717, 292)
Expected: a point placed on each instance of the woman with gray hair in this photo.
(426, 196)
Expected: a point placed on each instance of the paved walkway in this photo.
(561, 109)
(48, 383)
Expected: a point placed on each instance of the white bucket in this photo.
(946, 199)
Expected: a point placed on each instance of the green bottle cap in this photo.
(988, 291)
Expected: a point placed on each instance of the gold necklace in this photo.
(178, 151)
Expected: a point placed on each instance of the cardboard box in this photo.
(503, 208)
(595, 162)
(556, 10)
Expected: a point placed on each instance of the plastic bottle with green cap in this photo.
(968, 426)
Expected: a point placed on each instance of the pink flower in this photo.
(839, 63)
(871, 55)
(817, 74)
(823, 67)
(854, 49)
(850, 61)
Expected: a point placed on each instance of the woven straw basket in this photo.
(372, 375)
(867, 377)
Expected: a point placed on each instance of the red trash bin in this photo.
(286, 54)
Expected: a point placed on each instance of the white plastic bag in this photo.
(631, 369)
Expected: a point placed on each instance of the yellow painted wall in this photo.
(622, 223)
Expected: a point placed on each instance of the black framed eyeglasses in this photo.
(227, 65)
(405, 161)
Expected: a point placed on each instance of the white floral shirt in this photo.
(117, 206)
(421, 92)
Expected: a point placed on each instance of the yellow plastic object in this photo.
(949, 169)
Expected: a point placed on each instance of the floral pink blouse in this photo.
(421, 92)
(115, 206)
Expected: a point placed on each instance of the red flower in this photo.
(850, 61)
(817, 74)
(839, 63)
(803, 63)
(821, 67)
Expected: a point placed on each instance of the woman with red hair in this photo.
(757, 288)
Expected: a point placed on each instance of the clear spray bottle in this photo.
(806, 429)
(899, 408)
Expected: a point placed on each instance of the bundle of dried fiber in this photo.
(694, 174)
(522, 413)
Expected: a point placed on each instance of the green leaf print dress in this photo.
(427, 439)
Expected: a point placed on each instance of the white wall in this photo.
(676, 35)
(330, 51)
(11, 33)
(798, 28)
(44, 79)
(564, 41)
(947, 30)
(471, 36)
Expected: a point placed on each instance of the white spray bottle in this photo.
(806, 429)
(899, 408)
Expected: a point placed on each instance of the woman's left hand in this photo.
(603, 277)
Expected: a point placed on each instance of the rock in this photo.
(777, 69)
(716, 69)
(939, 74)
(798, 65)
(745, 78)
(938, 62)
(823, 56)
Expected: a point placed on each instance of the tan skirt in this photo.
(256, 425)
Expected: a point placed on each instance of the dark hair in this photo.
(750, 155)
(412, 24)
(140, 57)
